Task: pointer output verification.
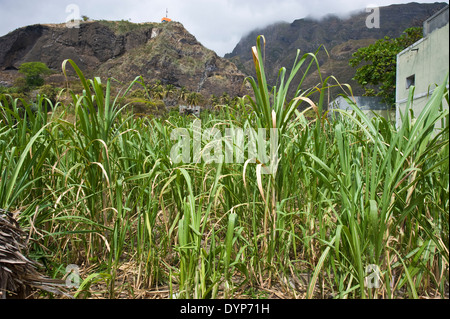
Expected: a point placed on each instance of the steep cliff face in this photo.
(123, 50)
(340, 36)
(89, 46)
(174, 56)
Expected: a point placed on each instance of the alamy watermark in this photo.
(373, 276)
(373, 19)
(261, 146)
(73, 19)
(72, 276)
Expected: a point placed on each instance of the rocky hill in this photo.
(123, 50)
(340, 36)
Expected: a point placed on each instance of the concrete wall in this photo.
(368, 104)
(190, 110)
(436, 21)
(428, 61)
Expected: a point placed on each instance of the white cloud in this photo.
(217, 24)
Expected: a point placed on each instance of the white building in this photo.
(424, 64)
(370, 105)
(190, 109)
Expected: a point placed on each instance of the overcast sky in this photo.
(217, 24)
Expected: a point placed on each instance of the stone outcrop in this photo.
(123, 50)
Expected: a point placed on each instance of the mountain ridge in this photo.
(169, 53)
(341, 37)
(123, 50)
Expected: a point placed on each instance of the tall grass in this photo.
(350, 195)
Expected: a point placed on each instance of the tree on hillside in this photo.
(157, 90)
(169, 90)
(377, 75)
(194, 98)
(214, 100)
(33, 72)
(225, 98)
(183, 94)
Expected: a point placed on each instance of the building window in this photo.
(410, 80)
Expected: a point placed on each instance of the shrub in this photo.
(33, 72)
(20, 85)
(49, 92)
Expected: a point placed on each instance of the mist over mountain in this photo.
(341, 36)
(171, 54)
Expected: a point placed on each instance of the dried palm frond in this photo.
(18, 274)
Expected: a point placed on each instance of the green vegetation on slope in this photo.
(377, 75)
(123, 26)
